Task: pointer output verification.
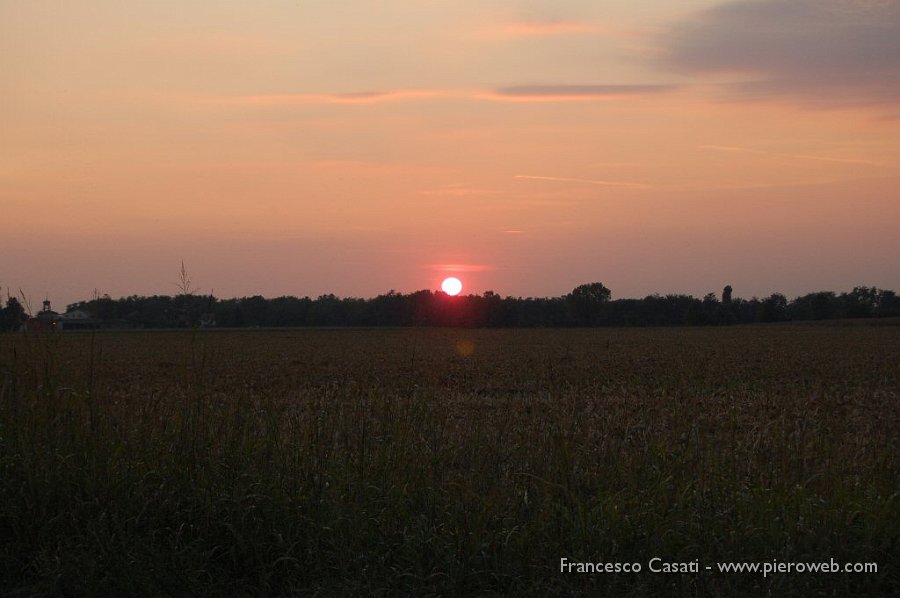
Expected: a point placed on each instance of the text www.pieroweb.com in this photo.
(764, 568)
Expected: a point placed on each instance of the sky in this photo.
(305, 147)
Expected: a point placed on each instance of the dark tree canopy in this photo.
(13, 315)
(594, 293)
(587, 302)
(587, 305)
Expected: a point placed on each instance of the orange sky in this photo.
(353, 147)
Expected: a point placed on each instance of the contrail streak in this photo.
(582, 181)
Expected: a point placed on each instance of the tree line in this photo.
(587, 305)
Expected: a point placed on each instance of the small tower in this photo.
(726, 295)
(46, 319)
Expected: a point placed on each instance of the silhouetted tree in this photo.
(491, 309)
(888, 304)
(255, 310)
(712, 310)
(861, 302)
(814, 306)
(822, 305)
(726, 295)
(586, 303)
(13, 315)
(389, 309)
(773, 309)
(696, 315)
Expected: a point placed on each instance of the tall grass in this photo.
(441, 462)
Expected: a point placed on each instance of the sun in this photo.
(451, 286)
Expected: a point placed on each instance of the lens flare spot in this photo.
(465, 347)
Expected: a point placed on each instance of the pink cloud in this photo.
(460, 267)
(572, 93)
(521, 93)
(363, 97)
(601, 183)
(539, 29)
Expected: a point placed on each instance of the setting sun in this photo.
(451, 286)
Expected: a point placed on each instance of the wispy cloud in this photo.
(520, 93)
(539, 29)
(459, 190)
(459, 267)
(747, 150)
(561, 93)
(362, 97)
(823, 52)
(601, 183)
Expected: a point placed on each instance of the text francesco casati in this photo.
(764, 568)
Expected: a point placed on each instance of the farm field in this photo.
(449, 461)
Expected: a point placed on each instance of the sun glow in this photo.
(451, 286)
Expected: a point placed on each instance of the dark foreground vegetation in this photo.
(587, 305)
(447, 462)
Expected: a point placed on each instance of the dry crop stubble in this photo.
(446, 461)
